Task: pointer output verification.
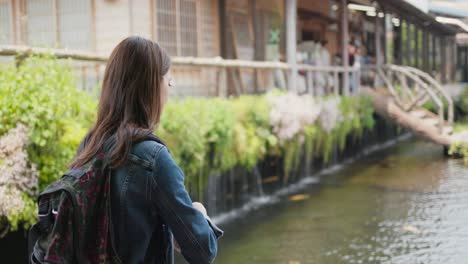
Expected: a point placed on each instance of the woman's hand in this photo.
(199, 207)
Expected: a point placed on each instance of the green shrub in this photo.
(461, 105)
(41, 94)
(204, 135)
(459, 149)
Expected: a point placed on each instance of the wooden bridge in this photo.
(414, 100)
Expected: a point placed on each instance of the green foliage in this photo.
(41, 93)
(459, 149)
(26, 217)
(461, 105)
(204, 134)
(253, 135)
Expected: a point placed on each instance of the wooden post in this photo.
(455, 59)
(465, 64)
(130, 18)
(399, 56)
(222, 28)
(257, 44)
(344, 44)
(336, 83)
(408, 44)
(310, 83)
(13, 27)
(56, 22)
(384, 39)
(291, 46)
(378, 49)
(416, 47)
(92, 33)
(425, 52)
(434, 52)
(402, 42)
(443, 59)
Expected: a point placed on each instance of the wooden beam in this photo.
(291, 45)
(187, 61)
(178, 30)
(306, 14)
(378, 48)
(223, 27)
(344, 43)
(13, 19)
(408, 44)
(257, 43)
(425, 52)
(434, 52)
(400, 45)
(416, 47)
(152, 20)
(56, 20)
(130, 18)
(92, 33)
(465, 66)
(385, 60)
(443, 59)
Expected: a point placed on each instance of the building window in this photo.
(177, 26)
(74, 24)
(58, 23)
(6, 36)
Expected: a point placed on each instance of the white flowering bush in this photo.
(291, 113)
(316, 123)
(18, 176)
(331, 115)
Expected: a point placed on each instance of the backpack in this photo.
(74, 217)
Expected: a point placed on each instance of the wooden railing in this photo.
(217, 74)
(411, 88)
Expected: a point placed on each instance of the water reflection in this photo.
(408, 205)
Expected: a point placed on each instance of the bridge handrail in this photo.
(445, 94)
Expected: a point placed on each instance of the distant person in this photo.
(352, 52)
(357, 70)
(151, 212)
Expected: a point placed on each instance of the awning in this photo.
(408, 12)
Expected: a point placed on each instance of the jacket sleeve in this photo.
(196, 234)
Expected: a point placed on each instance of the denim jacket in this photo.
(150, 207)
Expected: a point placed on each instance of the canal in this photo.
(406, 204)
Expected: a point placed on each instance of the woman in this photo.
(150, 207)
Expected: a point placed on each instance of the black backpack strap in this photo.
(45, 222)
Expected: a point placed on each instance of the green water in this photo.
(408, 204)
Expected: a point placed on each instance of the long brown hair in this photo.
(130, 104)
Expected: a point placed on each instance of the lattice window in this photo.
(166, 25)
(208, 27)
(74, 23)
(188, 28)
(6, 36)
(40, 23)
(177, 26)
(58, 23)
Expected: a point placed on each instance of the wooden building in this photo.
(387, 31)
